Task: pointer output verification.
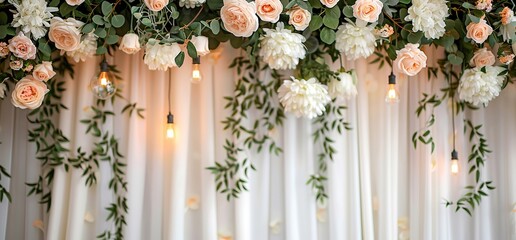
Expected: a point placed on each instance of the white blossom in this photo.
(304, 97)
(281, 48)
(191, 3)
(428, 16)
(161, 57)
(355, 41)
(33, 16)
(481, 85)
(87, 48)
(342, 88)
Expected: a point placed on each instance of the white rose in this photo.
(44, 71)
(201, 44)
(130, 43)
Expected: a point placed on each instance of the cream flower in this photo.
(3, 90)
(342, 88)
(201, 44)
(4, 49)
(161, 57)
(269, 10)
(367, 10)
(305, 98)
(410, 60)
(74, 2)
(44, 71)
(281, 48)
(329, 3)
(22, 47)
(355, 41)
(299, 18)
(156, 5)
(477, 87)
(385, 32)
(130, 43)
(29, 93)
(239, 17)
(87, 48)
(507, 59)
(275, 226)
(482, 57)
(506, 15)
(65, 34)
(484, 5)
(478, 32)
(16, 65)
(32, 16)
(428, 17)
(191, 3)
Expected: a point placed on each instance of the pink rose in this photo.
(479, 32)
(329, 3)
(507, 59)
(4, 50)
(484, 5)
(367, 10)
(43, 72)
(22, 47)
(299, 18)
(506, 14)
(74, 2)
(29, 93)
(156, 5)
(130, 43)
(410, 60)
(239, 17)
(65, 33)
(482, 57)
(269, 10)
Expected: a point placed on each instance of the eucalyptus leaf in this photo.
(118, 21)
(107, 7)
(180, 58)
(192, 51)
(327, 35)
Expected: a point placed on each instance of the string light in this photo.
(103, 86)
(196, 70)
(170, 118)
(454, 154)
(392, 95)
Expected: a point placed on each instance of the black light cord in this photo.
(169, 90)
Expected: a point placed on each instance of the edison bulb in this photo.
(392, 95)
(454, 166)
(103, 86)
(196, 73)
(170, 130)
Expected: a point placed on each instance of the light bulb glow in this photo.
(454, 166)
(103, 85)
(170, 130)
(392, 95)
(196, 73)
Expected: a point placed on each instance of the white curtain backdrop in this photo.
(380, 187)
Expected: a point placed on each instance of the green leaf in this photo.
(118, 21)
(88, 28)
(180, 58)
(147, 22)
(215, 27)
(65, 9)
(192, 52)
(97, 19)
(315, 23)
(3, 18)
(330, 21)
(44, 48)
(468, 5)
(348, 11)
(112, 39)
(101, 50)
(106, 8)
(100, 32)
(327, 35)
(415, 37)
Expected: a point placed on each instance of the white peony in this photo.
(161, 57)
(428, 16)
(3, 90)
(87, 48)
(191, 3)
(342, 88)
(355, 41)
(281, 48)
(32, 16)
(304, 97)
(477, 87)
(508, 31)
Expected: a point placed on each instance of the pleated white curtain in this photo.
(379, 187)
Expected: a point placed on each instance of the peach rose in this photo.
(269, 10)
(507, 59)
(65, 33)
(201, 44)
(367, 10)
(239, 17)
(130, 43)
(29, 93)
(156, 5)
(410, 60)
(506, 14)
(43, 72)
(4, 49)
(74, 2)
(16, 65)
(299, 18)
(482, 57)
(329, 3)
(479, 32)
(22, 47)
(385, 32)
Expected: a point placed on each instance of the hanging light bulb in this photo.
(454, 162)
(392, 95)
(196, 70)
(103, 86)
(170, 126)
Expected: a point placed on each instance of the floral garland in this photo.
(478, 38)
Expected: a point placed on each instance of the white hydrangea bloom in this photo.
(87, 48)
(191, 3)
(342, 88)
(355, 41)
(33, 16)
(428, 16)
(478, 87)
(281, 48)
(303, 97)
(161, 57)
